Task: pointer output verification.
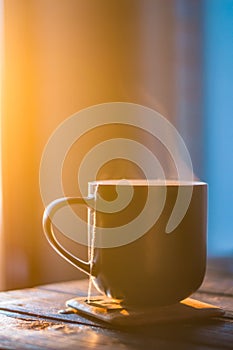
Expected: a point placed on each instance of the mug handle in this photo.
(49, 213)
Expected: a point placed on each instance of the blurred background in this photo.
(58, 57)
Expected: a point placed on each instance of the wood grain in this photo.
(29, 319)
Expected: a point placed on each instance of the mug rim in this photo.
(147, 182)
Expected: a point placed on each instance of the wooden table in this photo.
(30, 320)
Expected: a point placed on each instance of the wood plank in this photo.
(47, 303)
(219, 277)
(41, 303)
(214, 284)
(76, 287)
(44, 304)
(29, 320)
(212, 333)
(43, 334)
(225, 302)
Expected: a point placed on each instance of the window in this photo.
(218, 113)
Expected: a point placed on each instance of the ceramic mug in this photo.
(137, 260)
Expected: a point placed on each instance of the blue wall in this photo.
(218, 60)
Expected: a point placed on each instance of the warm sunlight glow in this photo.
(19, 162)
(1, 64)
